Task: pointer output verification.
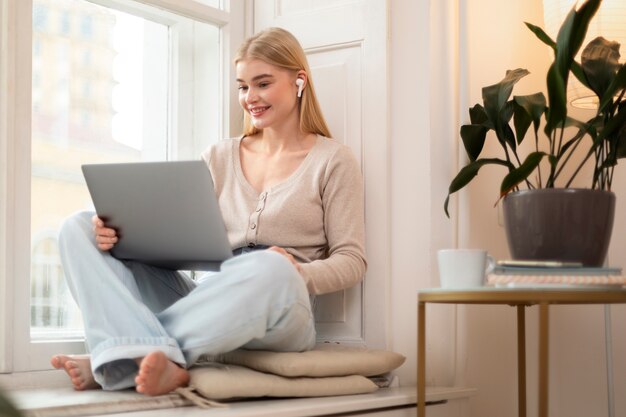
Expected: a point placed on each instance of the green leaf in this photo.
(467, 174)
(612, 131)
(578, 72)
(583, 128)
(521, 121)
(571, 122)
(473, 139)
(615, 132)
(520, 174)
(543, 36)
(568, 42)
(503, 129)
(615, 124)
(495, 96)
(557, 111)
(535, 107)
(552, 159)
(477, 115)
(617, 85)
(583, 16)
(621, 142)
(600, 62)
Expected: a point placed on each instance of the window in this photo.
(136, 83)
(53, 312)
(87, 113)
(40, 16)
(65, 21)
(86, 26)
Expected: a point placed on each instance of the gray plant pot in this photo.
(562, 224)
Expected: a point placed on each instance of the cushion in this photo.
(220, 382)
(325, 360)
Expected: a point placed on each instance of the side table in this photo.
(520, 298)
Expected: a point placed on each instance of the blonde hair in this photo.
(278, 47)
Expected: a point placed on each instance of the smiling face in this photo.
(267, 93)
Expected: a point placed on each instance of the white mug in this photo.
(464, 268)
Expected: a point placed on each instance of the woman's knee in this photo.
(77, 225)
(275, 270)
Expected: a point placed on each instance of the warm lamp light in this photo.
(609, 22)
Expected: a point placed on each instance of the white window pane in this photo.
(99, 95)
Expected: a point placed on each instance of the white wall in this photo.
(442, 53)
(413, 231)
(409, 260)
(487, 343)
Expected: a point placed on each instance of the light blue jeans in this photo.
(257, 301)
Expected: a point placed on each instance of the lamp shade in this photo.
(609, 22)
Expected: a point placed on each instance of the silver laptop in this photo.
(165, 213)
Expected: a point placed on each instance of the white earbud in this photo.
(300, 84)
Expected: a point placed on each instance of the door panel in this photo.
(337, 77)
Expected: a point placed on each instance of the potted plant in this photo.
(544, 217)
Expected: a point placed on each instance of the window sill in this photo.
(66, 401)
(34, 380)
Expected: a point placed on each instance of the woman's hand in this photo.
(289, 256)
(106, 237)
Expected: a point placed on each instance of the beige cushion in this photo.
(324, 360)
(219, 382)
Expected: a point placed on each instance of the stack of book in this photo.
(547, 274)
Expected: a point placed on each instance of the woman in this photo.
(292, 202)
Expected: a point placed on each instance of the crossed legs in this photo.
(145, 325)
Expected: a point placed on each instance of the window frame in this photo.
(18, 353)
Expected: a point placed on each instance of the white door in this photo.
(346, 41)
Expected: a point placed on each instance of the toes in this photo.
(140, 384)
(57, 361)
(78, 383)
(77, 368)
(70, 366)
(146, 367)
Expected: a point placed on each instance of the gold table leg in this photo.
(421, 359)
(521, 360)
(544, 319)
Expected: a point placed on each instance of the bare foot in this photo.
(158, 375)
(78, 368)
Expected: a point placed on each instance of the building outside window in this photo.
(94, 101)
(105, 85)
(73, 116)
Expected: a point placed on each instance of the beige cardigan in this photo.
(316, 214)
